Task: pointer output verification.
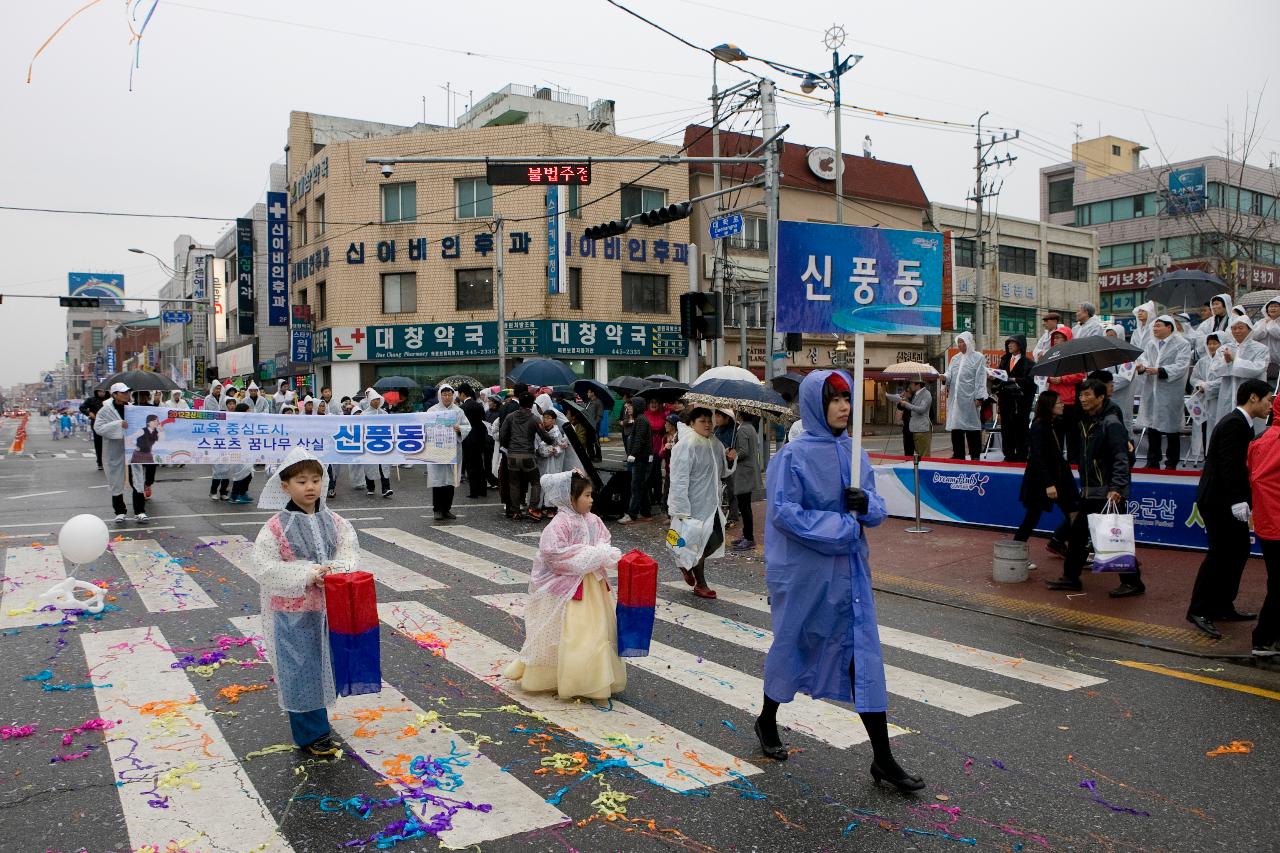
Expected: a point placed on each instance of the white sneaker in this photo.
(120, 519)
(213, 497)
(142, 518)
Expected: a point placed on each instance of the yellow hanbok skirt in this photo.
(588, 665)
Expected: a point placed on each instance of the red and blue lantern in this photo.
(637, 596)
(354, 646)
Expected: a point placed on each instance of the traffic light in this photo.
(794, 342)
(701, 317)
(665, 214)
(608, 229)
(79, 301)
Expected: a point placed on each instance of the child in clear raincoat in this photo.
(551, 456)
(296, 548)
(571, 629)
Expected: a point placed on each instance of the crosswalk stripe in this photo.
(652, 748)
(168, 750)
(238, 551)
(515, 807)
(832, 724)
(159, 581)
(498, 543)
(28, 572)
(1020, 669)
(452, 557)
(925, 689)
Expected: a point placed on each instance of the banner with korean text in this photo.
(173, 437)
(847, 279)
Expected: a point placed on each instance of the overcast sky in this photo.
(210, 102)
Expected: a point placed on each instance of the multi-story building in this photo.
(517, 104)
(183, 346)
(1031, 267)
(90, 353)
(1209, 213)
(395, 274)
(876, 192)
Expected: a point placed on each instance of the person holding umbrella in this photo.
(1162, 375)
(966, 380)
(594, 410)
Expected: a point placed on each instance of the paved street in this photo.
(1030, 738)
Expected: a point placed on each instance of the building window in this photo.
(745, 301)
(965, 250)
(400, 202)
(1016, 259)
(754, 234)
(475, 198)
(318, 208)
(1068, 267)
(964, 316)
(1061, 195)
(573, 201)
(636, 200)
(302, 297)
(399, 293)
(322, 296)
(1115, 150)
(474, 289)
(575, 288)
(1017, 321)
(643, 293)
(300, 227)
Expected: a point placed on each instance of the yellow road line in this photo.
(1201, 679)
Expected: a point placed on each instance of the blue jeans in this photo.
(308, 726)
(639, 489)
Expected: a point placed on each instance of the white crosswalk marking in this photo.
(384, 725)
(453, 557)
(654, 749)
(901, 682)
(238, 551)
(498, 543)
(28, 572)
(168, 750)
(1020, 669)
(159, 581)
(832, 724)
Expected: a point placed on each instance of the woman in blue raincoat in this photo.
(825, 639)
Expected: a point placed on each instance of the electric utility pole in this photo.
(982, 190)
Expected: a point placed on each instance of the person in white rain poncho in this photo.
(296, 548)
(1239, 359)
(699, 464)
(258, 403)
(443, 478)
(284, 396)
(1161, 377)
(551, 455)
(1219, 320)
(381, 472)
(1267, 330)
(1202, 405)
(176, 402)
(1144, 315)
(110, 424)
(215, 400)
(966, 380)
(1122, 383)
(571, 631)
(1087, 324)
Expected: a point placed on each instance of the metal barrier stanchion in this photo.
(915, 462)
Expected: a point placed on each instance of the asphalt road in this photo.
(1029, 738)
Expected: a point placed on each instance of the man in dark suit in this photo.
(1224, 500)
(473, 444)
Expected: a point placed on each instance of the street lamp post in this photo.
(834, 40)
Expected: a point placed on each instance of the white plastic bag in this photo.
(1112, 535)
(685, 541)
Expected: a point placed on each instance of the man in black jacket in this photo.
(89, 408)
(1224, 501)
(516, 437)
(637, 442)
(1104, 478)
(473, 444)
(1015, 396)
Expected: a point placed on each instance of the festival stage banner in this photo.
(180, 437)
(1163, 504)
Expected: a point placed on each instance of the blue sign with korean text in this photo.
(726, 226)
(1187, 190)
(555, 253)
(182, 317)
(840, 279)
(111, 360)
(300, 346)
(278, 259)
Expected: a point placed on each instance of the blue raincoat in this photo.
(816, 567)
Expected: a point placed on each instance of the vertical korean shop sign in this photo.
(244, 275)
(555, 240)
(835, 279)
(278, 259)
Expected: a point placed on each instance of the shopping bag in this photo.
(354, 648)
(685, 540)
(1112, 535)
(637, 596)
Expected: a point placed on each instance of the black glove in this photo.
(1162, 373)
(856, 501)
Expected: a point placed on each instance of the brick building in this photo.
(395, 275)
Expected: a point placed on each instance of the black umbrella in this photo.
(666, 391)
(1186, 288)
(580, 413)
(660, 377)
(542, 372)
(582, 386)
(788, 383)
(396, 383)
(1085, 355)
(628, 384)
(140, 380)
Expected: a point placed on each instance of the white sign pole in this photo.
(855, 416)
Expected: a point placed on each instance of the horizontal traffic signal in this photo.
(665, 214)
(79, 301)
(608, 229)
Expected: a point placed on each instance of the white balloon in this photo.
(83, 539)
